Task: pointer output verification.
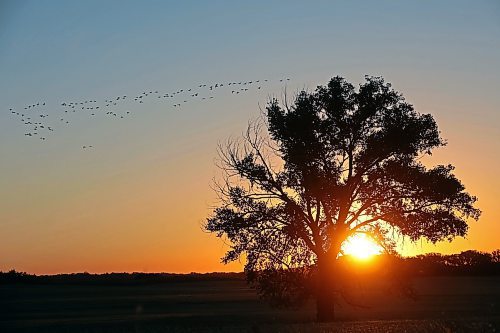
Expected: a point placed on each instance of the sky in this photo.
(136, 200)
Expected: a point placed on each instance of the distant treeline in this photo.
(432, 264)
(465, 263)
(114, 278)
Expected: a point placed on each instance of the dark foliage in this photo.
(465, 263)
(335, 163)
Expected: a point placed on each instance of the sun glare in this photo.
(361, 247)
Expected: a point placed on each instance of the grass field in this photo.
(444, 304)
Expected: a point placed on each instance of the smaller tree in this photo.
(470, 258)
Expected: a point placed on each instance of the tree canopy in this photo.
(336, 162)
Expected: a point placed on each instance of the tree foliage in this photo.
(336, 162)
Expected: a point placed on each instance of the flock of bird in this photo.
(40, 119)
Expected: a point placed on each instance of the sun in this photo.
(360, 246)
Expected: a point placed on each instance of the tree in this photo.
(470, 258)
(334, 163)
(495, 256)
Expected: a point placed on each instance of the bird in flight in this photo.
(113, 106)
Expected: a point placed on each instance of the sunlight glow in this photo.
(360, 246)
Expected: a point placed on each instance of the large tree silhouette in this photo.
(336, 162)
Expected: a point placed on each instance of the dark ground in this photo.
(444, 304)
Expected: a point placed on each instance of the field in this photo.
(444, 304)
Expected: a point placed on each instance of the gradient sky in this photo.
(136, 201)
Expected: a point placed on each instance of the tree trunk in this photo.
(325, 301)
(325, 306)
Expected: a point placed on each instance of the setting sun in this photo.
(361, 247)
